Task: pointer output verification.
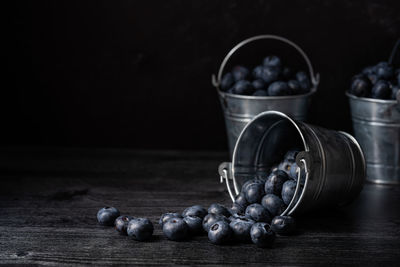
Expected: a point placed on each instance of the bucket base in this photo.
(381, 174)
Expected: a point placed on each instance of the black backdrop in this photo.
(137, 74)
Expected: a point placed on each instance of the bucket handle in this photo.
(216, 81)
(225, 172)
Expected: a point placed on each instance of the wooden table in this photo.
(49, 199)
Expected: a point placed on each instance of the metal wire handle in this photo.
(217, 81)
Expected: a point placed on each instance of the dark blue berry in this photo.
(303, 80)
(166, 216)
(262, 235)
(279, 88)
(195, 210)
(107, 215)
(288, 190)
(227, 81)
(140, 229)
(249, 182)
(275, 181)
(254, 192)
(360, 86)
(283, 225)
(259, 84)
(291, 155)
(241, 199)
(273, 204)
(236, 208)
(260, 93)
(220, 233)
(121, 223)
(240, 73)
(395, 92)
(210, 219)
(294, 86)
(258, 72)
(219, 209)
(384, 71)
(243, 87)
(241, 228)
(272, 61)
(381, 90)
(258, 213)
(194, 223)
(176, 229)
(373, 78)
(269, 74)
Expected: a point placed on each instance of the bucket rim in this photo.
(370, 100)
(250, 97)
(292, 206)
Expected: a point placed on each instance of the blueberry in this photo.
(236, 208)
(286, 73)
(272, 61)
(381, 90)
(121, 223)
(286, 166)
(293, 172)
(241, 199)
(259, 85)
(219, 209)
(291, 155)
(240, 73)
(258, 72)
(294, 86)
(220, 233)
(304, 81)
(166, 216)
(241, 228)
(395, 92)
(262, 235)
(243, 87)
(194, 223)
(270, 75)
(373, 78)
(360, 86)
(273, 204)
(140, 229)
(288, 190)
(279, 88)
(210, 219)
(176, 229)
(275, 181)
(239, 215)
(249, 182)
(258, 213)
(384, 71)
(227, 81)
(107, 215)
(283, 225)
(195, 210)
(254, 192)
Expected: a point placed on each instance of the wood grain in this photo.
(49, 199)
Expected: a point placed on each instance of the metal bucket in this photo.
(376, 126)
(239, 110)
(332, 161)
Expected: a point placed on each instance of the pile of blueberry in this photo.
(269, 79)
(381, 81)
(253, 217)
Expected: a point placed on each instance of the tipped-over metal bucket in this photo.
(376, 126)
(332, 161)
(239, 109)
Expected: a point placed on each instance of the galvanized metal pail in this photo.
(332, 161)
(239, 110)
(376, 126)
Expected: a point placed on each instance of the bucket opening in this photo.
(263, 144)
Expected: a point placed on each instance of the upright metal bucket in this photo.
(332, 161)
(239, 110)
(376, 126)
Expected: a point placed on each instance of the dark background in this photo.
(137, 74)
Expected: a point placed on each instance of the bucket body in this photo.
(333, 161)
(239, 110)
(376, 125)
